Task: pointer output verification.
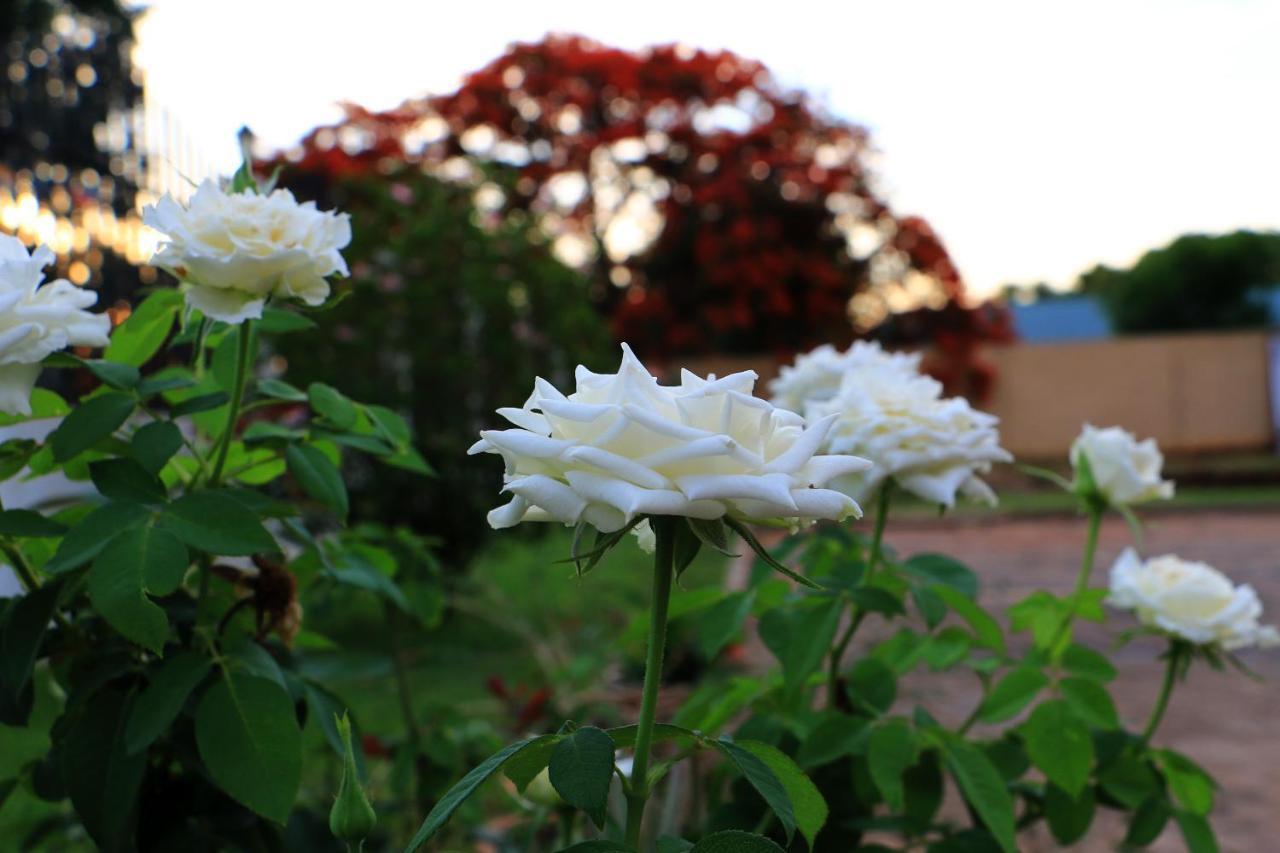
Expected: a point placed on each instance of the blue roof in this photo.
(1063, 318)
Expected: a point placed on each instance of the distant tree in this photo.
(712, 211)
(1198, 281)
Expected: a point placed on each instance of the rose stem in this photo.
(873, 560)
(638, 789)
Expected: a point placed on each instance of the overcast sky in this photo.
(1039, 139)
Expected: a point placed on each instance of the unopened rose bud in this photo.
(352, 818)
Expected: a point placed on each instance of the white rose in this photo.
(931, 446)
(1124, 469)
(622, 445)
(237, 249)
(37, 320)
(1193, 601)
(816, 375)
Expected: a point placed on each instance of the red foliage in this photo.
(748, 194)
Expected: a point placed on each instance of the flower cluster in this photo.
(1189, 600)
(37, 320)
(236, 249)
(1123, 470)
(886, 411)
(622, 445)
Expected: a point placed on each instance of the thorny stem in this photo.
(1082, 580)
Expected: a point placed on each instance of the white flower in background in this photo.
(931, 446)
(622, 445)
(1193, 601)
(816, 375)
(237, 249)
(1125, 470)
(37, 320)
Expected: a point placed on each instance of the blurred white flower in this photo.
(930, 446)
(237, 249)
(816, 375)
(1125, 470)
(1193, 601)
(37, 320)
(622, 445)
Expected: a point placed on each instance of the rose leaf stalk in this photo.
(663, 565)
(873, 560)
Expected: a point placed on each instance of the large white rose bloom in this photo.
(1190, 600)
(37, 320)
(237, 249)
(1125, 470)
(816, 375)
(622, 445)
(931, 446)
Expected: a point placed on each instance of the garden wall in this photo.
(1192, 392)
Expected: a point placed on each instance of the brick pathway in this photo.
(1228, 723)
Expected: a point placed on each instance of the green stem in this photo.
(237, 395)
(638, 790)
(202, 596)
(1166, 690)
(1082, 581)
(28, 577)
(404, 694)
(873, 560)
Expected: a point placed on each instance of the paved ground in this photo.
(1228, 723)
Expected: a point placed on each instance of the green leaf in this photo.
(84, 540)
(132, 561)
(1069, 817)
(318, 477)
(712, 532)
(724, 621)
(249, 740)
(160, 703)
(169, 379)
(101, 778)
(1130, 781)
(984, 627)
(581, 769)
(1012, 693)
(245, 655)
(1086, 663)
(1059, 745)
(126, 480)
(1190, 785)
(353, 569)
(213, 522)
(800, 637)
(448, 804)
(932, 608)
(22, 630)
(15, 453)
(200, 403)
(735, 841)
(154, 444)
(947, 648)
(891, 749)
(332, 405)
(983, 788)
(873, 685)
(525, 766)
(277, 321)
(1196, 832)
(140, 336)
(939, 569)
(806, 800)
(669, 844)
(685, 548)
(598, 846)
(122, 376)
(874, 599)
(1148, 821)
(89, 423)
(764, 780)
(624, 737)
(390, 426)
(279, 390)
(26, 522)
(1090, 701)
(835, 736)
(266, 431)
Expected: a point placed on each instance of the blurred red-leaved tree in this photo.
(712, 211)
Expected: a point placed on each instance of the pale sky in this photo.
(1038, 139)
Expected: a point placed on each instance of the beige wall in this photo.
(1193, 392)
